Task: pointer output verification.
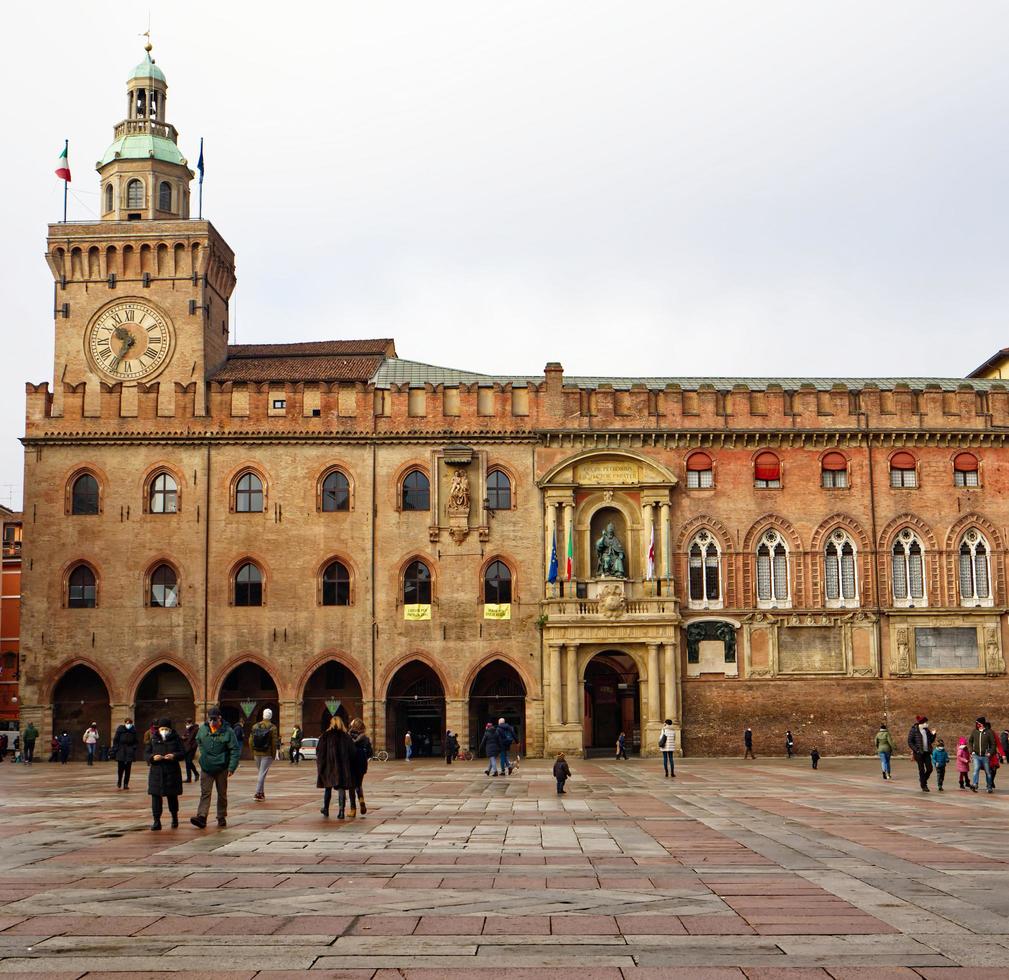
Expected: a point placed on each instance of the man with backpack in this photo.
(265, 740)
(506, 737)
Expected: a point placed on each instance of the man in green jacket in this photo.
(28, 738)
(265, 740)
(884, 748)
(219, 754)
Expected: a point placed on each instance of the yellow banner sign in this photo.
(415, 613)
(497, 610)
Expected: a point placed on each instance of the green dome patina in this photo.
(143, 147)
(147, 69)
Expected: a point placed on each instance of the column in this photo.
(669, 682)
(556, 702)
(648, 516)
(569, 530)
(667, 558)
(653, 683)
(573, 715)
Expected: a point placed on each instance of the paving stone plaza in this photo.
(735, 869)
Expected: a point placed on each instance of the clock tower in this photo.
(141, 296)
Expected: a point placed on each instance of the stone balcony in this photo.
(146, 127)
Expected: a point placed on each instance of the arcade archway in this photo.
(164, 693)
(497, 692)
(612, 704)
(332, 689)
(80, 698)
(415, 703)
(246, 692)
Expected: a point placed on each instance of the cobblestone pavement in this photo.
(734, 869)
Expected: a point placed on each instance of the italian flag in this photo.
(63, 165)
(571, 553)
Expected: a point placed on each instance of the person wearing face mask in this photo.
(164, 752)
(219, 753)
(124, 751)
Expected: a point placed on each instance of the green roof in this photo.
(147, 69)
(143, 147)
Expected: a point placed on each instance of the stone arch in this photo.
(249, 687)
(528, 681)
(863, 558)
(932, 556)
(497, 688)
(351, 663)
(319, 686)
(704, 523)
(996, 556)
(162, 659)
(666, 475)
(56, 675)
(81, 694)
(415, 694)
(169, 699)
(253, 658)
(391, 669)
(795, 555)
(586, 511)
(973, 519)
(612, 678)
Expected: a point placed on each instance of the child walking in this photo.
(964, 763)
(562, 773)
(940, 759)
(814, 757)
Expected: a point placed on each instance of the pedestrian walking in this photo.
(940, 759)
(54, 749)
(363, 751)
(748, 744)
(506, 738)
(164, 753)
(789, 743)
(562, 773)
(16, 748)
(3, 745)
(64, 744)
(239, 729)
(884, 749)
(814, 757)
(28, 739)
(408, 745)
(981, 744)
(295, 753)
(919, 741)
(219, 755)
(451, 747)
(264, 738)
(667, 746)
(124, 751)
(333, 760)
(621, 747)
(963, 763)
(492, 745)
(188, 737)
(91, 739)
(1003, 741)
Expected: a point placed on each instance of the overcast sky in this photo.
(640, 187)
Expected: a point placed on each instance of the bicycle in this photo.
(381, 756)
(465, 755)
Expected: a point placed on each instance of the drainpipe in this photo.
(206, 584)
(875, 557)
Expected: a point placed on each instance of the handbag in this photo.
(662, 740)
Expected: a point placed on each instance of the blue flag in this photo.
(199, 163)
(552, 575)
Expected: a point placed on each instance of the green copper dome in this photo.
(143, 147)
(147, 69)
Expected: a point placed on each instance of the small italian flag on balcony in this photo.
(63, 164)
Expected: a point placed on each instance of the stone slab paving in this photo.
(743, 870)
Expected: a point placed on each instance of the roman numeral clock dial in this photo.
(129, 340)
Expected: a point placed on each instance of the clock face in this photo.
(129, 340)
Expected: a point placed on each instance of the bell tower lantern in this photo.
(143, 174)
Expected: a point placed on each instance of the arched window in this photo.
(165, 196)
(417, 584)
(965, 471)
(903, 470)
(772, 569)
(336, 585)
(135, 194)
(248, 585)
(249, 494)
(109, 200)
(700, 471)
(834, 471)
(766, 471)
(164, 498)
(335, 492)
(907, 562)
(82, 591)
(416, 491)
(84, 495)
(499, 491)
(839, 569)
(975, 575)
(497, 583)
(164, 587)
(705, 586)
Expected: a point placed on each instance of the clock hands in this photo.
(128, 341)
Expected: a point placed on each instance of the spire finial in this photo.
(148, 47)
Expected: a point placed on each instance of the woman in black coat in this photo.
(163, 753)
(491, 744)
(333, 761)
(359, 757)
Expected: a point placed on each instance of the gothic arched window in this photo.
(335, 492)
(109, 199)
(907, 563)
(84, 497)
(839, 570)
(135, 194)
(249, 494)
(249, 585)
(705, 584)
(82, 590)
(416, 491)
(499, 491)
(164, 498)
(164, 587)
(165, 196)
(497, 583)
(417, 584)
(772, 569)
(965, 471)
(336, 585)
(974, 569)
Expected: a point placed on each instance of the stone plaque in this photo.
(946, 648)
(810, 650)
(605, 474)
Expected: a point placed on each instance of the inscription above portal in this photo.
(607, 473)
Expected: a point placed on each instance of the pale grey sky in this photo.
(647, 187)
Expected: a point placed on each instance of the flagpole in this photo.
(201, 180)
(66, 153)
